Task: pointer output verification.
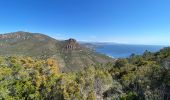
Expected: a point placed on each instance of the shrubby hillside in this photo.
(71, 55)
(38, 67)
(34, 79)
(145, 77)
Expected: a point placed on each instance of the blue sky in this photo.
(122, 21)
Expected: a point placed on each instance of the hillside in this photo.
(145, 77)
(70, 55)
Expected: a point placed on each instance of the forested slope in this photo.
(145, 77)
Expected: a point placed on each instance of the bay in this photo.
(125, 50)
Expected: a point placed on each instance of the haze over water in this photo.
(122, 51)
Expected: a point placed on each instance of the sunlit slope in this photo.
(69, 53)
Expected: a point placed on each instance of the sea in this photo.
(125, 50)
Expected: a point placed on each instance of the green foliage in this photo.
(23, 78)
(134, 78)
(121, 63)
(91, 96)
(143, 76)
(29, 78)
(129, 96)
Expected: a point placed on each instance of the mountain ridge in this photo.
(70, 55)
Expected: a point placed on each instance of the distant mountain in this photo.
(117, 50)
(93, 45)
(70, 55)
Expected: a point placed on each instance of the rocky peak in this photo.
(71, 41)
(71, 44)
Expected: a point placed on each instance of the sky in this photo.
(120, 21)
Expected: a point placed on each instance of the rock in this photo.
(71, 44)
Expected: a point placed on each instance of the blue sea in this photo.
(123, 51)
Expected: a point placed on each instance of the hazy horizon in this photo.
(128, 22)
(91, 41)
